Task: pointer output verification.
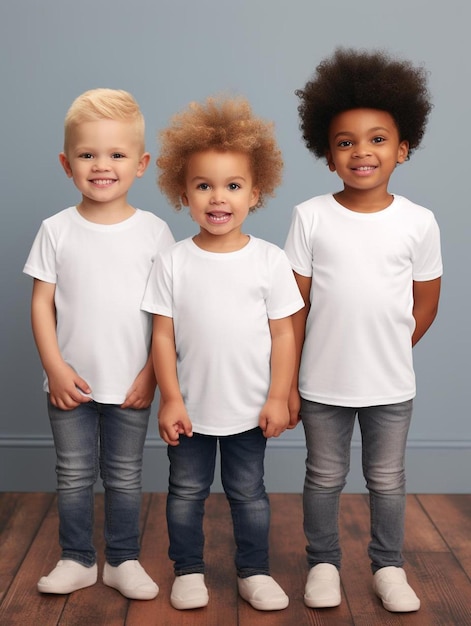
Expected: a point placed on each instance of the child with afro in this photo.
(223, 340)
(368, 265)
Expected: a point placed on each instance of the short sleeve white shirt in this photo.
(221, 304)
(100, 273)
(357, 349)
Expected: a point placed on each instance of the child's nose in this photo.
(101, 163)
(217, 196)
(362, 149)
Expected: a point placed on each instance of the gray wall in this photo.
(168, 52)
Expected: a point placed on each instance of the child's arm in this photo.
(426, 296)
(141, 392)
(274, 416)
(65, 385)
(173, 418)
(299, 325)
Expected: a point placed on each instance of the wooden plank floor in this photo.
(437, 548)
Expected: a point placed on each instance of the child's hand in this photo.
(294, 405)
(141, 393)
(67, 388)
(173, 422)
(274, 418)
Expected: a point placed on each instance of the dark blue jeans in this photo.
(95, 438)
(192, 465)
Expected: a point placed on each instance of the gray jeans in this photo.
(328, 432)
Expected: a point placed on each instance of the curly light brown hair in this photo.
(225, 124)
(353, 79)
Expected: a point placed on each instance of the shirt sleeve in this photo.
(158, 294)
(41, 262)
(284, 298)
(427, 263)
(298, 247)
(166, 237)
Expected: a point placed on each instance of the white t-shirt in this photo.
(357, 350)
(220, 304)
(100, 272)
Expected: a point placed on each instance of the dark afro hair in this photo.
(352, 79)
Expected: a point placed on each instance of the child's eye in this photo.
(86, 155)
(233, 186)
(203, 186)
(346, 143)
(117, 155)
(378, 139)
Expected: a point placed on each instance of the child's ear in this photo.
(330, 162)
(184, 199)
(255, 196)
(403, 151)
(64, 161)
(143, 163)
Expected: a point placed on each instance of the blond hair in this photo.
(225, 124)
(104, 104)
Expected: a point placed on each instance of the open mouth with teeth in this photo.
(103, 182)
(219, 218)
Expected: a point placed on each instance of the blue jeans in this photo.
(101, 438)
(192, 465)
(328, 431)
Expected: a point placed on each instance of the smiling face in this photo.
(103, 159)
(364, 150)
(219, 192)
